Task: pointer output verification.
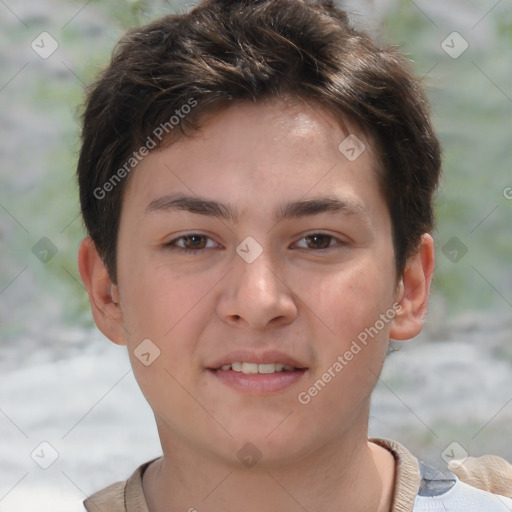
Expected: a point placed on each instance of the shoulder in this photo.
(111, 498)
(482, 484)
(120, 496)
(489, 472)
(475, 484)
(462, 497)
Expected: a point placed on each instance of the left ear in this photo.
(414, 292)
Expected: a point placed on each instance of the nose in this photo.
(256, 295)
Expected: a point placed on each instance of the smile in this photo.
(253, 368)
(256, 378)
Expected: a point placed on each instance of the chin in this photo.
(257, 445)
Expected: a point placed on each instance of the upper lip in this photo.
(265, 357)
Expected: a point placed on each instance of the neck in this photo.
(354, 475)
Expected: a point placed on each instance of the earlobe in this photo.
(103, 293)
(413, 292)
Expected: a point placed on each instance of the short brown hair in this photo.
(225, 51)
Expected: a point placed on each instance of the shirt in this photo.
(476, 484)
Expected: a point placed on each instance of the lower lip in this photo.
(258, 382)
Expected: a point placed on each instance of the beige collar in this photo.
(407, 479)
(129, 496)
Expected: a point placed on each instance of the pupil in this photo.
(316, 237)
(197, 238)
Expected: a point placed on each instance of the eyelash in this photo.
(171, 245)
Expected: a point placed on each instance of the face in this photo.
(252, 245)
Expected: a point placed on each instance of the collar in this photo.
(412, 478)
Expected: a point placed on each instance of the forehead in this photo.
(261, 153)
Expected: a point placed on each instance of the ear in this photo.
(103, 294)
(413, 292)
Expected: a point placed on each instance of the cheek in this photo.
(351, 353)
(167, 392)
(353, 347)
(162, 321)
(158, 299)
(360, 306)
(352, 300)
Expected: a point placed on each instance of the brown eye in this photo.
(194, 241)
(320, 241)
(191, 243)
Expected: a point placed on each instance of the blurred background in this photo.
(446, 394)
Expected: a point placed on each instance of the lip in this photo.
(264, 357)
(257, 382)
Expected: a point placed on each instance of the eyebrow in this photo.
(288, 210)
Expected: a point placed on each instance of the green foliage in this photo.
(472, 106)
(130, 13)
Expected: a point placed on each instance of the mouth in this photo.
(258, 373)
(255, 368)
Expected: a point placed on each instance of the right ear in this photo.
(103, 293)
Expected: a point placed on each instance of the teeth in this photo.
(266, 368)
(250, 368)
(253, 368)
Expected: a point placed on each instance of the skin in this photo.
(297, 297)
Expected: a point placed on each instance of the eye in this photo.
(321, 241)
(193, 242)
(197, 242)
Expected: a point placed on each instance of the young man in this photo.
(257, 178)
